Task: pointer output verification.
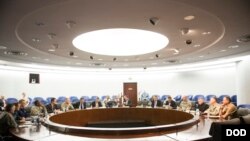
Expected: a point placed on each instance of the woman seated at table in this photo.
(214, 107)
(66, 105)
(38, 109)
(127, 102)
(7, 120)
(170, 103)
(155, 102)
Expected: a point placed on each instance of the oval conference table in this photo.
(162, 125)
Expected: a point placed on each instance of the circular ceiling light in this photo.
(120, 42)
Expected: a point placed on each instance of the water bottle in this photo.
(196, 110)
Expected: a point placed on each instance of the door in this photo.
(130, 90)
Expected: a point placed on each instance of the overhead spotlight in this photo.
(156, 55)
(91, 57)
(110, 68)
(144, 68)
(71, 53)
(114, 59)
(184, 30)
(154, 20)
(70, 24)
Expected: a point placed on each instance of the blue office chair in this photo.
(74, 99)
(49, 99)
(61, 99)
(177, 98)
(11, 100)
(44, 102)
(234, 99)
(244, 106)
(164, 97)
(103, 97)
(196, 97)
(190, 97)
(220, 98)
(144, 96)
(208, 97)
(93, 98)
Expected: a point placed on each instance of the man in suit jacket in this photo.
(127, 101)
(52, 107)
(171, 103)
(81, 104)
(96, 103)
(155, 102)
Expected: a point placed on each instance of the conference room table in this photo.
(41, 132)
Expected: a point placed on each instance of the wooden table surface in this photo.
(28, 131)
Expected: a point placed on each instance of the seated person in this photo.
(107, 101)
(25, 98)
(127, 101)
(202, 106)
(228, 110)
(170, 102)
(2, 103)
(214, 107)
(155, 102)
(22, 112)
(66, 105)
(185, 104)
(7, 120)
(96, 103)
(53, 107)
(81, 104)
(38, 109)
(16, 116)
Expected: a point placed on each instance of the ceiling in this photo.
(41, 31)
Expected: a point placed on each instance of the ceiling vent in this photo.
(244, 38)
(97, 64)
(16, 53)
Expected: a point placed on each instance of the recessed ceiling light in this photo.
(189, 18)
(233, 46)
(3, 47)
(75, 56)
(36, 40)
(201, 56)
(223, 50)
(78, 63)
(120, 42)
(197, 45)
(46, 59)
(175, 53)
(51, 50)
(154, 63)
(125, 65)
(100, 59)
(206, 33)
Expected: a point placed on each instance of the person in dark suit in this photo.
(52, 107)
(96, 103)
(127, 101)
(22, 112)
(155, 102)
(171, 103)
(81, 104)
